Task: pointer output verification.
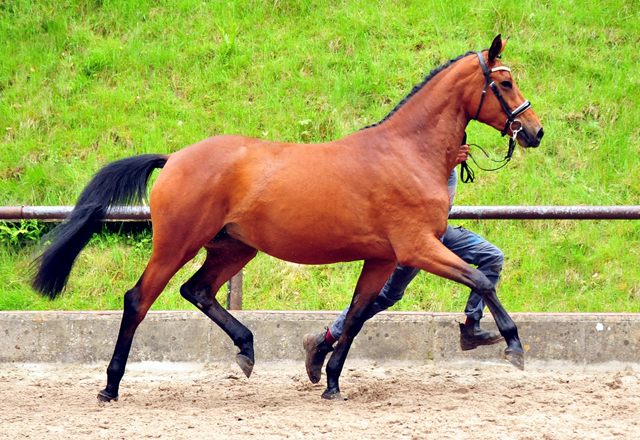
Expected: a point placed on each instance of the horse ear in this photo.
(497, 47)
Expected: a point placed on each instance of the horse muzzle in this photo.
(530, 137)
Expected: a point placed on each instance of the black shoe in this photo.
(316, 348)
(472, 336)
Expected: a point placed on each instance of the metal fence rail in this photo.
(59, 213)
(546, 212)
(142, 213)
(234, 288)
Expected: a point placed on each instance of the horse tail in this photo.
(123, 182)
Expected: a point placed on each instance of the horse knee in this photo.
(483, 286)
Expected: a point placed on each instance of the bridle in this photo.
(511, 116)
(511, 119)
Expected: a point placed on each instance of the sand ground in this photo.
(175, 401)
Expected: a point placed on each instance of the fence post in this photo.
(234, 292)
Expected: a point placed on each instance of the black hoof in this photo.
(515, 358)
(333, 395)
(245, 363)
(103, 396)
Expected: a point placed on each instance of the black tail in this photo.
(123, 182)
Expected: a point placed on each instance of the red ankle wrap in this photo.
(329, 338)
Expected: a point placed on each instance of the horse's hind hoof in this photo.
(245, 363)
(515, 358)
(333, 395)
(103, 396)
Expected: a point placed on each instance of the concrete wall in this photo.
(89, 337)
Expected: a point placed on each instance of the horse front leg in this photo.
(514, 353)
(372, 278)
(435, 258)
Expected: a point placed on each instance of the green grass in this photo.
(83, 83)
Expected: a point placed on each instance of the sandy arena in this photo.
(172, 401)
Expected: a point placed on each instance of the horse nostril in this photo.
(540, 134)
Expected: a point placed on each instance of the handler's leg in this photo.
(317, 346)
(474, 249)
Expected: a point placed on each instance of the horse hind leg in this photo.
(225, 257)
(137, 301)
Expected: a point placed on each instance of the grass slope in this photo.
(83, 83)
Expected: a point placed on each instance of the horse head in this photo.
(502, 107)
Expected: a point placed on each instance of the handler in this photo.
(467, 245)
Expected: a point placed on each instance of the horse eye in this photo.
(506, 84)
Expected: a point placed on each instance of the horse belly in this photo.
(306, 243)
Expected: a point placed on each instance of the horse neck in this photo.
(433, 121)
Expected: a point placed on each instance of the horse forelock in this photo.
(419, 86)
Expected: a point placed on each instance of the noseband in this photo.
(466, 173)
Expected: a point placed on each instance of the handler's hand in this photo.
(463, 154)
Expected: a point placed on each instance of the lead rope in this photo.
(466, 173)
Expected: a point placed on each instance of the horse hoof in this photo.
(515, 358)
(104, 397)
(245, 363)
(333, 395)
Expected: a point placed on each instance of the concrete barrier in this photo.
(185, 336)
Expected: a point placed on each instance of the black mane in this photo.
(417, 88)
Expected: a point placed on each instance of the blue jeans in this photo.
(470, 247)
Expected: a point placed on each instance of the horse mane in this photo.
(417, 87)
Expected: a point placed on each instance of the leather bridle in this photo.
(511, 115)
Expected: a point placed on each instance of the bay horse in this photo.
(378, 195)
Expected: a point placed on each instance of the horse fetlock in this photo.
(242, 337)
(333, 386)
(245, 345)
(333, 395)
(510, 332)
(115, 372)
(514, 344)
(245, 358)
